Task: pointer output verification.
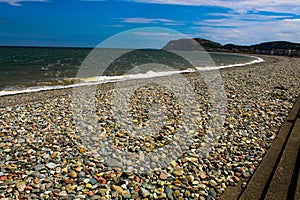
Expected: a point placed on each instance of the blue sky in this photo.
(84, 23)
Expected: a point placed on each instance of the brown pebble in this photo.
(176, 193)
(69, 181)
(82, 150)
(36, 181)
(3, 178)
(28, 188)
(163, 176)
(203, 176)
(178, 172)
(73, 174)
(78, 169)
(236, 179)
(54, 155)
(137, 179)
(91, 194)
(238, 174)
(118, 189)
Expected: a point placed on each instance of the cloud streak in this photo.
(111, 25)
(139, 20)
(160, 34)
(18, 2)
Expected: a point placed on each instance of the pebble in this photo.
(169, 193)
(63, 194)
(81, 196)
(203, 193)
(73, 174)
(126, 196)
(93, 181)
(95, 197)
(78, 169)
(202, 176)
(212, 192)
(163, 176)
(246, 174)
(69, 181)
(145, 193)
(178, 172)
(42, 187)
(213, 183)
(21, 186)
(195, 182)
(176, 193)
(236, 179)
(39, 167)
(51, 165)
(118, 189)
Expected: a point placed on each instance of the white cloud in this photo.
(242, 28)
(140, 20)
(111, 25)
(249, 32)
(252, 16)
(161, 34)
(92, 0)
(292, 20)
(17, 2)
(238, 6)
(240, 20)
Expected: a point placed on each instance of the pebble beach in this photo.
(44, 153)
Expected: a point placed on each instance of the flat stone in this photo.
(73, 174)
(39, 167)
(93, 181)
(42, 187)
(127, 196)
(176, 193)
(212, 192)
(178, 172)
(145, 193)
(163, 176)
(51, 165)
(21, 186)
(95, 197)
(118, 189)
(169, 192)
(63, 194)
(213, 183)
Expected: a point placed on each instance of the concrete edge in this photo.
(282, 178)
(295, 111)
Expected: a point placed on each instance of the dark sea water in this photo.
(31, 66)
(24, 67)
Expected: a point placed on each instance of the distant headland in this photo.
(267, 48)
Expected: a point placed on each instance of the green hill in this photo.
(274, 48)
(191, 45)
(267, 45)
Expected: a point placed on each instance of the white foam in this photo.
(107, 79)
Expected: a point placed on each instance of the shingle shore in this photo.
(43, 155)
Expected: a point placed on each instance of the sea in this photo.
(30, 69)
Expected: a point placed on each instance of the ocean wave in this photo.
(107, 79)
